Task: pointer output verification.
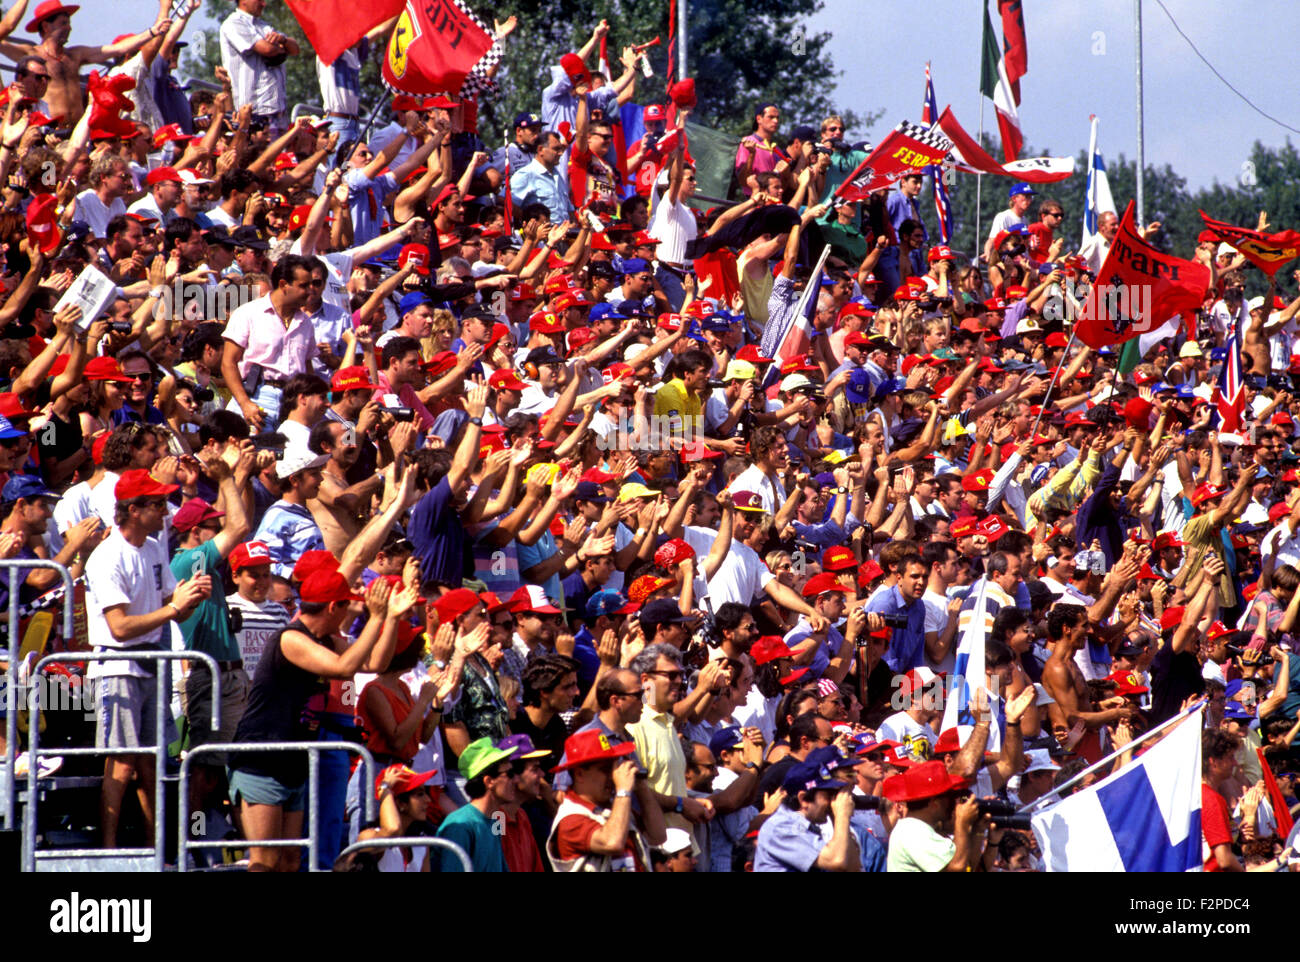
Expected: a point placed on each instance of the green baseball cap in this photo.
(479, 756)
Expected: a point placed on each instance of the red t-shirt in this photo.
(518, 845)
(1040, 242)
(573, 835)
(1216, 824)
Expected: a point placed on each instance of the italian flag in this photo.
(1004, 92)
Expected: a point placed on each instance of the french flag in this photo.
(1227, 397)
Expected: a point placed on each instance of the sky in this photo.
(1080, 62)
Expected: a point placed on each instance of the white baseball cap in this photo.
(295, 462)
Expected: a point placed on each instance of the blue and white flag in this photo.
(1144, 818)
(1097, 200)
(973, 624)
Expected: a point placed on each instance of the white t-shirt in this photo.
(297, 434)
(1222, 319)
(91, 210)
(1005, 220)
(219, 216)
(936, 620)
(338, 269)
(103, 498)
(533, 400)
(1094, 253)
(902, 727)
(73, 507)
(741, 577)
(119, 573)
(673, 225)
(260, 623)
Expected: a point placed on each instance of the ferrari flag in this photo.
(907, 147)
(435, 48)
(1268, 252)
(1138, 289)
(332, 26)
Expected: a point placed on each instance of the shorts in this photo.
(266, 790)
(125, 709)
(198, 708)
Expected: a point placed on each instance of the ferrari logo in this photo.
(404, 34)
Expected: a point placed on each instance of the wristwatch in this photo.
(623, 793)
(476, 421)
(841, 490)
(752, 765)
(680, 805)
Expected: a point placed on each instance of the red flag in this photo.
(434, 47)
(332, 26)
(906, 148)
(972, 158)
(1137, 289)
(1268, 252)
(1281, 811)
(1015, 52)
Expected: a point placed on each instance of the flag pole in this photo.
(1141, 140)
(1055, 374)
(979, 183)
(1181, 716)
(682, 72)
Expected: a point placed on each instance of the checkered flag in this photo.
(925, 135)
(479, 82)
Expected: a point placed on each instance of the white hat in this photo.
(1028, 326)
(1191, 349)
(1040, 761)
(1227, 249)
(297, 461)
(192, 179)
(633, 351)
(1255, 303)
(676, 840)
(794, 382)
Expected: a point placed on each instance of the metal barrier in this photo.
(313, 749)
(306, 110)
(158, 852)
(416, 841)
(9, 796)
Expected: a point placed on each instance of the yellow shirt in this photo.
(684, 409)
(660, 751)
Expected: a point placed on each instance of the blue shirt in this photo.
(907, 646)
(471, 830)
(535, 183)
(288, 530)
(438, 536)
(367, 204)
(822, 656)
(535, 554)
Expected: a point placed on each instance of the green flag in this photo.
(1130, 356)
(989, 61)
(715, 157)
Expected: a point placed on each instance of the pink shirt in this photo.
(280, 352)
(406, 394)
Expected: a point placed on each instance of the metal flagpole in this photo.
(979, 183)
(682, 71)
(1065, 359)
(1141, 145)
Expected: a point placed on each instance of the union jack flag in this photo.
(942, 209)
(1229, 401)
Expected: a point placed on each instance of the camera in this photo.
(894, 621)
(819, 149)
(869, 803)
(203, 395)
(120, 327)
(1004, 814)
(401, 414)
(714, 384)
(270, 441)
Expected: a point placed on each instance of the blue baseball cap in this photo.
(717, 323)
(635, 265)
(725, 739)
(27, 486)
(858, 389)
(590, 491)
(895, 385)
(605, 309)
(1184, 392)
(8, 431)
(411, 301)
(1021, 188)
(609, 602)
(815, 772)
(528, 120)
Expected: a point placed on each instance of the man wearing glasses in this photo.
(138, 404)
(110, 181)
(33, 78)
(591, 178)
(1041, 234)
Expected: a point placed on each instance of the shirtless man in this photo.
(52, 21)
(339, 507)
(1074, 711)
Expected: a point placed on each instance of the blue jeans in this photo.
(887, 271)
(672, 287)
(268, 399)
(347, 128)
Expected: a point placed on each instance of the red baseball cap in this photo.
(673, 552)
(455, 603)
(416, 255)
(1128, 682)
(326, 587)
(312, 561)
(750, 354)
(927, 780)
(839, 558)
(250, 554)
(585, 747)
(769, 648)
(404, 779)
(354, 378)
(506, 380)
(1172, 617)
(978, 480)
(821, 584)
(139, 483)
(193, 513)
(869, 572)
